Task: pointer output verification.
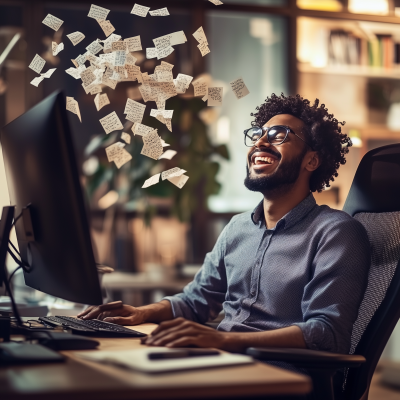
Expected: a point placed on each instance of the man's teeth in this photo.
(263, 160)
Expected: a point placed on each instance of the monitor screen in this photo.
(43, 175)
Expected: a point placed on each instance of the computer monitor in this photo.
(42, 174)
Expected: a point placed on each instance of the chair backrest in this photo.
(374, 200)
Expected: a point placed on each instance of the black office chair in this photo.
(374, 200)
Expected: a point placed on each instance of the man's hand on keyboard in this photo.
(115, 312)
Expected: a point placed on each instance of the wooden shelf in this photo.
(351, 70)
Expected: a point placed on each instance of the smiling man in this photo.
(288, 274)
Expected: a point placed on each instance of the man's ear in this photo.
(313, 161)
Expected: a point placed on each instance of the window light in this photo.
(322, 5)
(377, 7)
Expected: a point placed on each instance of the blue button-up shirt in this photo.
(310, 270)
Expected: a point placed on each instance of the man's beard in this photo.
(282, 179)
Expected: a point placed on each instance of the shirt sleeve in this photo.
(332, 297)
(201, 300)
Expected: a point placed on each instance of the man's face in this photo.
(274, 167)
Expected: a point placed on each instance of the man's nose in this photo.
(262, 141)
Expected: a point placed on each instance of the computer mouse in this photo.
(64, 341)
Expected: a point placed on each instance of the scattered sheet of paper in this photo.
(126, 137)
(95, 89)
(152, 145)
(133, 43)
(139, 10)
(200, 88)
(73, 72)
(37, 64)
(134, 110)
(56, 48)
(151, 52)
(119, 58)
(179, 181)
(141, 130)
(49, 73)
(107, 27)
(215, 96)
(87, 77)
(111, 123)
(204, 49)
(76, 37)
(216, 2)
(101, 100)
(168, 154)
(122, 158)
(36, 81)
(171, 173)
(162, 12)
(167, 41)
(113, 150)
(98, 12)
(200, 36)
(164, 52)
(53, 22)
(164, 113)
(94, 47)
(73, 106)
(118, 46)
(239, 88)
(151, 181)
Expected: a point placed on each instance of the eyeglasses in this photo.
(275, 135)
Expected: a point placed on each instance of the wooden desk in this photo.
(83, 380)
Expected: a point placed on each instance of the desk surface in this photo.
(79, 379)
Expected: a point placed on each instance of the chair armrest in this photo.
(306, 358)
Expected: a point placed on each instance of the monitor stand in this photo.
(6, 224)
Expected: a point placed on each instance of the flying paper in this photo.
(37, 64)
(133, 43)
(87, 77)
(111, 123)
(56, 48)
(141, 130)
(216, 2)
(94, 47)
(134, 110)
(126, 137)
(73, 106)
(36, 81)
(52, 22)
(215, 96)
(49, 73)
(107, 27)
(97, 12)
(151, 181)
(179, 181)
(204, 49)
(152, 145)
(101, 100)
(162, 12)
(139, 10)
(171, 173)
(76, 37)
(239, 88)
(168, 154)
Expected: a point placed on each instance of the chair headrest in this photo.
(376, 184)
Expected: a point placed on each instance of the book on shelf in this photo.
(346, 48)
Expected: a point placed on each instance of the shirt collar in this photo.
(292, 217)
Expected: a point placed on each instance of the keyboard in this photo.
(92, 327)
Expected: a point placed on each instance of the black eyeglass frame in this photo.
(265, 130)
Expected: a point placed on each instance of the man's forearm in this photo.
(157, 312)
(292, 336)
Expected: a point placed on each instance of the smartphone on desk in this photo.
(181, 353)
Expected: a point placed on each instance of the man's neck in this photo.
(277, 205)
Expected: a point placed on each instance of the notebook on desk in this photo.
(139, 360)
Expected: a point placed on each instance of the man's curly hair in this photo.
(323, 133)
